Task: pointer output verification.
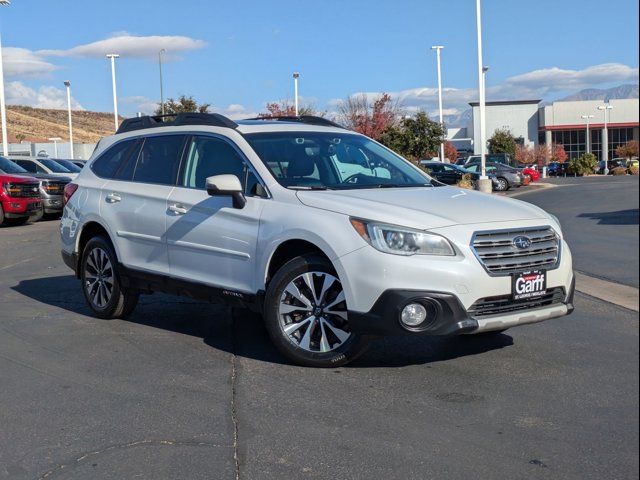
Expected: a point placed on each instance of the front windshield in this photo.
(319, 160)
(54, 166)
(7, 166)
(72, 167)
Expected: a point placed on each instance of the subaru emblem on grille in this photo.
(521, 242)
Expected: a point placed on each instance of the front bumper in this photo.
(21, 207)
(52, 204)
(451, 318)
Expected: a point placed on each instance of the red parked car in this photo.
(532, 173)
(19, 197)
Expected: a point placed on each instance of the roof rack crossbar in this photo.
(307, 119)
(180, 119)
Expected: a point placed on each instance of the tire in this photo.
(502, 185)
(304, 297)
(98, 270)
(1, 216)
(38, 216)
(16, 222)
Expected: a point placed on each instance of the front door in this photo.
(209, 241)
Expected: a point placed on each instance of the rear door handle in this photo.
(113, 198)
(177, 209)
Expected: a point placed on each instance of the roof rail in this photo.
(180, 119)
(307, 119)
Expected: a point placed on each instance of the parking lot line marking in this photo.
(616, 293)
(17, 263)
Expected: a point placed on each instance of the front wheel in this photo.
(306, 314)
(101, 283)
(502, 185)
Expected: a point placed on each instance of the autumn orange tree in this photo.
(284, 108)
(450, 152)
(523, 154)
(368, 116)
(628, 150)
(559, 154)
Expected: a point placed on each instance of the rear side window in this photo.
(115, 159)
(159, 160)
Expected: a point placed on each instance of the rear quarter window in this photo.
(116, 162)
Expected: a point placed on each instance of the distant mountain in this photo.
(615, 93)
(462, 119)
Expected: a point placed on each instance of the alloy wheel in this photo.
(98, 277)
(313, 312)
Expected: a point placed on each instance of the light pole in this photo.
(67, 84)
(484, 184)
(113, 57)
(3, 109)
(438, 48)
(55, 141)
(588, 119)
(161, 86)
(605, 138)
(295, 91)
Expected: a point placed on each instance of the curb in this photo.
(610, 292)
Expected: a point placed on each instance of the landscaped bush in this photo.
(583, 165)
(633, 170)
(619, 171)
(466, 182)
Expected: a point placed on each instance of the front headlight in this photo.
(402, 240)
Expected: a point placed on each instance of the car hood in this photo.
(423, 208)
(49, 176)
(17, 177)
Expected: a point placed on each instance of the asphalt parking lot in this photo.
(187, 390)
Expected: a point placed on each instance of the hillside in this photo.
(38, 124)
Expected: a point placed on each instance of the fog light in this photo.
(413, 314)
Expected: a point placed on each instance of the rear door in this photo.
(134, 203)
(209, 241)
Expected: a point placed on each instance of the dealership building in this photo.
(558, 123)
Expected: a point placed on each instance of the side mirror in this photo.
(227, 186)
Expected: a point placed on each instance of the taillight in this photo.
(69, 190)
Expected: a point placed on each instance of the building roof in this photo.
(507, 102)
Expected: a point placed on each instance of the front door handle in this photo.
(113, 198)
(177, 209)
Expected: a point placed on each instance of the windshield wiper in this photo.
(308, 187)
(401, 185)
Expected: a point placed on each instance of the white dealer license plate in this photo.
(530, 284)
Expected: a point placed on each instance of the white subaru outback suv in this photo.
(332, 237)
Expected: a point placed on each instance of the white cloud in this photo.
(46, 96)
(21, 62)
(537, 84)
(131, 46)
(140, 103)
(236, 111)
(557, 79)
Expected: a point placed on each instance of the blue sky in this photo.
(240, 55)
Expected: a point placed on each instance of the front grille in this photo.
(54, 187)
(505, 304)
(22, 190)
(500, 256)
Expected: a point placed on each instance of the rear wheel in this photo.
(306, 314)
(101, 283)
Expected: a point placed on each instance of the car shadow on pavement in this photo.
(242, 333)
(620, 217)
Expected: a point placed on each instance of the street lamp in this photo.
(588, 119)
(113, 57)
(438, 48)
(3, 109)
(605, 138)
(67, 84)
(161, 86)
(484, 184)
(55, 141)
(295, 91)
